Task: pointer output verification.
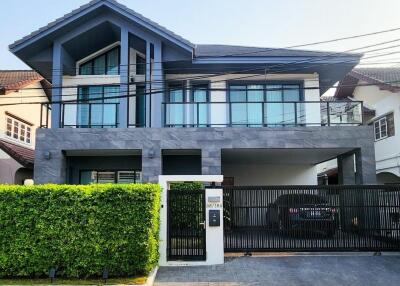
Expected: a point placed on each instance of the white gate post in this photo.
(214, 234)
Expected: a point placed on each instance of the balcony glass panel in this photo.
(273, 110)
(175, 110)
(200, 106)
(96, 115)
(345, 113)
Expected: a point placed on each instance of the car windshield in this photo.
(299, 199)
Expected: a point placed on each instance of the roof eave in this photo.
(351, 59)
(91, 6)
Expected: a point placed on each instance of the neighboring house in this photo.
(379, 89)
(18, 122)
(143, 101)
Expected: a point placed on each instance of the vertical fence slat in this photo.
(340, 218)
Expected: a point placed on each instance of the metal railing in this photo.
(217, 114)
(262, 114)
(89, 115)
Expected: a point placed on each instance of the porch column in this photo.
(124, 79)
(157, 113)
(50, 166)
(148, 79)
(346, 169)
(151, 164)
(56, 85)
(358, 166)
(365, 165)
(211, 161)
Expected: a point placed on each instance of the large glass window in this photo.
(263, 104)
(97, 107)
(104, 177)
(104, 64)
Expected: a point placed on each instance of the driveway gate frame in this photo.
(353, 217)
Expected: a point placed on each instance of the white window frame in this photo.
(381, 128)
(19, 129)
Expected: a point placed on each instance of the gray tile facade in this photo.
(210, 140)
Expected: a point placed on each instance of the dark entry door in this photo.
(186, 225)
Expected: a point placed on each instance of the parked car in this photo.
(302, 212)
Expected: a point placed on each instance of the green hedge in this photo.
(80, 230)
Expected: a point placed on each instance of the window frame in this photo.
(105, 54)
(265, 84)
(99, 101)
(264, 101)
(21, 126)
(135, 171)
(103, 86)
(379, 122)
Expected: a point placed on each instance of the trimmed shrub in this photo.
(80, 230)
(187, 186)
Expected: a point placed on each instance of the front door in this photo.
(186, 225)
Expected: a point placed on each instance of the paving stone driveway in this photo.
(288, 271)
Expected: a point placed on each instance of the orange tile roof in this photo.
(23, 155)
(11, 80)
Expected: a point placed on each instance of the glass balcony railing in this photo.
(262, 114)
(216, 114)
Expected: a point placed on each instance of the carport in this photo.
(286, 166)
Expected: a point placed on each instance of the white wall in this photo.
(214, 235)
(387, 151)
(257, 174)
(28, 112)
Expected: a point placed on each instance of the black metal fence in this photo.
(186, 225)
(312, 218)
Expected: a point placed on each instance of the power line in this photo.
(317, 43)
(76, 101)
(313, 59)
(273, 49)
(16, 97)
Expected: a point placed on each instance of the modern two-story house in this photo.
(379, 89)
(132, 100)
(19, 121)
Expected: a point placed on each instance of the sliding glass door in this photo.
(97, 106)
(200, 99)
(175, 116)
(281, 106)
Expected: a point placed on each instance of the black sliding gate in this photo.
(186, 225)
(312, 218)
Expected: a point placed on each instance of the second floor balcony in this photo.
(262, 114)
(215, 114)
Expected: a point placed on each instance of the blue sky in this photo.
(264, 23)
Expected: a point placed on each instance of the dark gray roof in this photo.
(228, 50)
(385, 75)
(93, 2)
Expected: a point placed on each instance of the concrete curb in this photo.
(151, 277)
(288, 254)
